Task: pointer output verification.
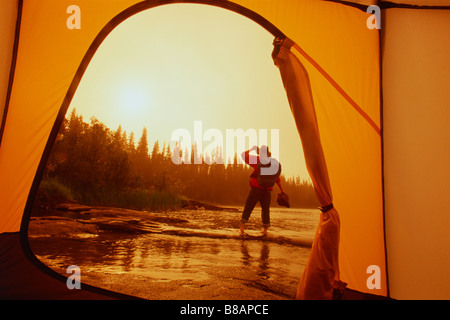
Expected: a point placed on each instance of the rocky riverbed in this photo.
(193, 253)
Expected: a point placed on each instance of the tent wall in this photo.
(8, 18)
(48, 58)
(416, 113)
(337, 38)
(333, 34)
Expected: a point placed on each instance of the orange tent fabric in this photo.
(322, 269)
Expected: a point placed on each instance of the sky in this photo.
(195, 69)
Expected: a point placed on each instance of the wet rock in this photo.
(124, 227)
(197, 205)
(169, 220)
(53, 226)
(94, 220)
(73, 207)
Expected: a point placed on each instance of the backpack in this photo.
(267, 180)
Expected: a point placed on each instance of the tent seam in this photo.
(13, 69)
(344, 94)
(390, 4)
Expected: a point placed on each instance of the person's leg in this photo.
(265, 210)
(250, 203)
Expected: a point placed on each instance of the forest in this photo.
(94, 165)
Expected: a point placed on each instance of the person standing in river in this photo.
(266, 173)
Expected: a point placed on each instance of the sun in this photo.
(131, 106)
(133, 100)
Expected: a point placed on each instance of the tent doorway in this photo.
(212, 108)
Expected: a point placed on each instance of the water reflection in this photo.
(168, 258)
(164, 258)
(263, 259)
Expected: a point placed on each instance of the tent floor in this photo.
(23, 278)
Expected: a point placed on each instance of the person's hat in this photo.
(283, 200)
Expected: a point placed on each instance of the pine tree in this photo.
(155, 151)
(131, 144)
(142, 148)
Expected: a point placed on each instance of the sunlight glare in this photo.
(133, 100)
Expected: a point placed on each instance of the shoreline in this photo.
(92, 220)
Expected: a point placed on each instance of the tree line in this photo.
(109, 167)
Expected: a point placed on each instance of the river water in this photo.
(167, 257)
